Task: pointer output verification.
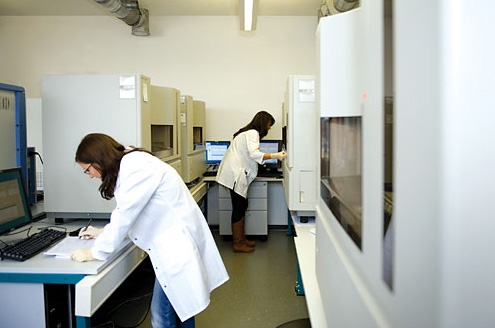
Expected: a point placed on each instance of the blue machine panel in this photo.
(13, 148)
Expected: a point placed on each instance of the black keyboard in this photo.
(32, 245)
(270, 174)
(211, 171)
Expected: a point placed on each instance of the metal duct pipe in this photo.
(345, 5)
(142, 27)
(334, 7)
(129, 13)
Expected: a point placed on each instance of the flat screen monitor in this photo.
(271, 146)
(215, 150)
(14, 206)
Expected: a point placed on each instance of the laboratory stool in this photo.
(299, 323)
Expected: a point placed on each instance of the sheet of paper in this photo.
(68, 245)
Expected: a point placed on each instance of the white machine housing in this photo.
(443, 175)
(301, 123)
(193, 123)
(73, 106)
(165, 125)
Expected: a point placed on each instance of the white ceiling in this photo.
(157, 7)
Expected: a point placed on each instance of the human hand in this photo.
(90, 233)
(82, 255)
(281, 155)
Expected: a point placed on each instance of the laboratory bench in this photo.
(266, 206)
(54, 290)
(306, 283)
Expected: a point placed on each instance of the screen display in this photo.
(215, 150)
(14, 205)
(270, 146)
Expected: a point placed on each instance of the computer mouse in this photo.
(75, 233)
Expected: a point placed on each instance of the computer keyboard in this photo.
(32, 245)
(211, 171)
(270, 174)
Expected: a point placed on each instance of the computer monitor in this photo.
(215, 150)
(271, 146)
(14, 206)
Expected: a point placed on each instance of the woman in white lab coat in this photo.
(239, 168)
(158, 213)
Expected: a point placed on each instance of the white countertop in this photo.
(305, 248)
(44, 264)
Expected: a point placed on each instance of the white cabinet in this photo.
(256, 215)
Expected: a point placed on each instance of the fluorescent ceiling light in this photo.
(248, 16)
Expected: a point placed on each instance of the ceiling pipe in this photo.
(334, 7)
(345, 5)
(130, 13)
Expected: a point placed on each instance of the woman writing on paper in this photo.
(156, 210)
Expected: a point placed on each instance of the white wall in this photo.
(235, 73)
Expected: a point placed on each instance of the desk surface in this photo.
(268, 179)
(305, 243)
(43, 264)
(94, 281)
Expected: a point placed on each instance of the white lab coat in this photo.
(239, 166)
(158, 213)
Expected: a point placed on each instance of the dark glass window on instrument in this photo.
(341, 169)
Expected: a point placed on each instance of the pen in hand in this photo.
(87, 225)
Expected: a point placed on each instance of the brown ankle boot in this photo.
(250, 243)
(238, 240)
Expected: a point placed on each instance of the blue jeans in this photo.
(163, 314)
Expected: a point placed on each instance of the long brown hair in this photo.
(105, 154)
(260, 122)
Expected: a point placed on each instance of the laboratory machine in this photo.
(165, 125)
(300, 123)
(74, 106)
(13, 150)
(193, 123)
